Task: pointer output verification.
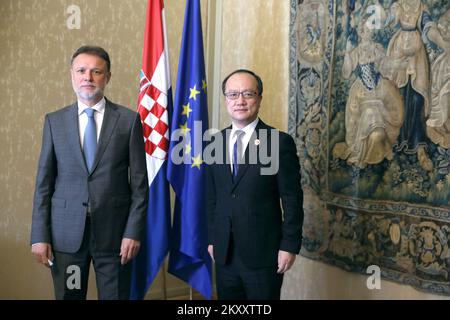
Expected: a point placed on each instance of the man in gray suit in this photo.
(91, 191)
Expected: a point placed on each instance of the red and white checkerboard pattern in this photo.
(155, 120)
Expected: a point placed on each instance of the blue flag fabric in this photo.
(189, 259)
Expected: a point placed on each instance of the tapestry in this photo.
(369, 109)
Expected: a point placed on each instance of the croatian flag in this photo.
(154, 105)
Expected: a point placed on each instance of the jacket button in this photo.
(234, 196)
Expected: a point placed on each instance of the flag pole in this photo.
(164, 281)
(190, 294)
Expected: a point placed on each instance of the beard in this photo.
(89, 96)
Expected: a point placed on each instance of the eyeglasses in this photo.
(234, 95)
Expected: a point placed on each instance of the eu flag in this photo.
(189, 259)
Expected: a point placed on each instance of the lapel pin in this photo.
(257, 142)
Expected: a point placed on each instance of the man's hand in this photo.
(211, 251)
(285, 261)
(128, 250)
(42, 251)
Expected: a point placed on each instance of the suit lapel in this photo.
(72, 126)
(109, 123)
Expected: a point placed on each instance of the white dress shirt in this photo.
(248, 131)
(83, 118)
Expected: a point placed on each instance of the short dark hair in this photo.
(259, 83)
(95, 51)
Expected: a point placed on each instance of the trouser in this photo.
(235, 281)
(70, 272)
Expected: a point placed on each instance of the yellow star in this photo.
(188, 149)
(186, 110)
(204, 85)
(197, 162)
(184, 129)
(194, 93)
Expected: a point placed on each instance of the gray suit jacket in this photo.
(116, 188)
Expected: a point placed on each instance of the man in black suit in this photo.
(91, 190)
(251, 239)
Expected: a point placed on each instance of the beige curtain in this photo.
(255, 36)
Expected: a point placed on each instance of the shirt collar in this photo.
(99, 107)
(248, 129)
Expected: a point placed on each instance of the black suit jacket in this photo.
(248, 207)
(116, 187)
